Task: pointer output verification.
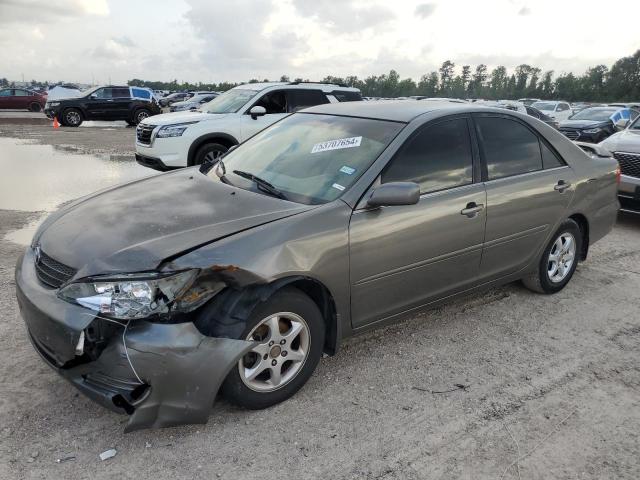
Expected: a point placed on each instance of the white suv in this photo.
(183, 139)
(556, 110)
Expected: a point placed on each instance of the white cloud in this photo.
(200, 40)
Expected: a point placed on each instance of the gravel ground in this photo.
(553, 389)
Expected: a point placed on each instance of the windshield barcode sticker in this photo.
(338, 186)
(337, 144)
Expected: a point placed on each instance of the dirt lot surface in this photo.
(552, 388)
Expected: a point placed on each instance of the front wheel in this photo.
(209, 153)
(72, 117)
(289, 333)
(35, 107)
(559, 260)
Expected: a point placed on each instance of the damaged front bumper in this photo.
(159, 374)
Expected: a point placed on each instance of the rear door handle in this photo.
(472, 209)
(561, 186)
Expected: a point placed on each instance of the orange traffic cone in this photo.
(56, 124)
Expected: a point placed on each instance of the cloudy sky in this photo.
(217, 40)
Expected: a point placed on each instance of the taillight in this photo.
(618, 173)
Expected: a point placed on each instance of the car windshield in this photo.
(89, 91)
(229, 102)
(546, 106)
(636, 124)
(308, 158)
(598, 114)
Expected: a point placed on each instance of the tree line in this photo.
(620, 82)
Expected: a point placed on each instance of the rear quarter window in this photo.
(140, 93)
(346, 96)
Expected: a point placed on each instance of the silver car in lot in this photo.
(625, 147)
(152, 296)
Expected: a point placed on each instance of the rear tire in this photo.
(283, 360)
(139, 115)
(209, 151)
(35, 107)
(558, 261)
(71, 117)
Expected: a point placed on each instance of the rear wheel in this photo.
(72, 117)
(209, 152)
(289, 333)
(35, 107)
(559, 260)
(140, 115)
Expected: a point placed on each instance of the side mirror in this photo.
(257, 111)
(394, 193)
(621, 123)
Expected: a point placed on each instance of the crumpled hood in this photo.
(582, 124)
(182, 117)
(625, 141)
(136, 226)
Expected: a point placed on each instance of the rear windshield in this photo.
(598, 114)
(548, 106)
(310, 158)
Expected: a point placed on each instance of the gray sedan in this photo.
(152, 296)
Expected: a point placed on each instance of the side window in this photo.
(21, 93)
(634, 114)
(562, 107)
(274, 102)
(438, 157)
(549, 158)
(103, 93)
(141, 93)
(305, 98)
(120, 92)
(5, 93)
(509, 147)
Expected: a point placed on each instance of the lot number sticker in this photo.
(337, 144)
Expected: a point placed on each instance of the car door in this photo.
(563, 111)
(6, 96)
(402, 257)
(97, 104)
(528, 188)
(21, 98)
(120, 106)
(275, 102)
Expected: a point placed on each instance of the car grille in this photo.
(143, 133)
(629, 163)
(571, 134)
(51, 272)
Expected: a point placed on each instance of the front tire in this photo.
(558, 261)
(289, 331)
(72, 117)
(209, 152)
(35, 107)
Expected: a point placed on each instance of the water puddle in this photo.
(38, 178)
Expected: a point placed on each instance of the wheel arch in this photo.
(583, 223)
(221, 138)
(226, 315)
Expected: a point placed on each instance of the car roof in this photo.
(326, 87)
(396, 111)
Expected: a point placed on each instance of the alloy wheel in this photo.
(561, 257)
(282, 349)
(141, 116)
(212, 156)
(72, 118)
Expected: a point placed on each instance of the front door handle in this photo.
(472, 209)
(561, 186)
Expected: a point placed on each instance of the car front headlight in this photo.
(173, 130)
(139, 295)
(592, 130)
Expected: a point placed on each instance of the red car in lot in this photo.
(21, 98)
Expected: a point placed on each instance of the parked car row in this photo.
(22, 99)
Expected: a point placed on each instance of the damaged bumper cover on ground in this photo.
(160, 374)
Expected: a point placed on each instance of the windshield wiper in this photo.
(262, 184)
